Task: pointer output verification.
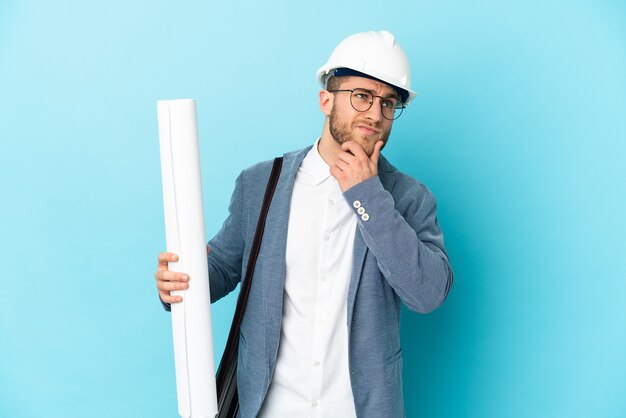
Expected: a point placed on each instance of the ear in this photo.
(326, 101)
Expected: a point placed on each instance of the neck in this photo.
(328, 147)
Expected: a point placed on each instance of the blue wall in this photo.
(519, 130)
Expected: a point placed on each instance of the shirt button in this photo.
(365, 217)
(323, 278)
(317, 363)
(331, 202)
(326, 237)
(314, 404)
(356, 204)
(361, 210)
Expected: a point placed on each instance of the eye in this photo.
(362, 96)
(391, 104)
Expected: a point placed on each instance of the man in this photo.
(347, 238)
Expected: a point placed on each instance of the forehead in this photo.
(377, 87)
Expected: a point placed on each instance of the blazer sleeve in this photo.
(227, 248)
(405, 237)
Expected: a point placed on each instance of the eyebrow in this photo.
(392, 95)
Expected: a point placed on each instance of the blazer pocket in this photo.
(394, 357)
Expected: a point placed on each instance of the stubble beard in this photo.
(342, 132)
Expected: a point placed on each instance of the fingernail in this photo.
(185, 278)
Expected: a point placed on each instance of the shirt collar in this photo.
(313, 166)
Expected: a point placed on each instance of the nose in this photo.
(375, 112)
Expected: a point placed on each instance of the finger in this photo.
(376, 153)
(168, 298)
(169, 286)
(165, 258)
(342, 165)
(208, 250)
(171, 276)
(346, 157)
(355, 148)
(336, 172)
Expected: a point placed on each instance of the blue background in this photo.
(519, 130)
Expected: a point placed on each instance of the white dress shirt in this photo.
(311, 378)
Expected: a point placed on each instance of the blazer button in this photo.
(356, 204)
(360, 210)
(365, 217)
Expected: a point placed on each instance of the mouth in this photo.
(368, 130)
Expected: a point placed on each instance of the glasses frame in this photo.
(400, 106)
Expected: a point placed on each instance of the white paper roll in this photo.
(184, 230)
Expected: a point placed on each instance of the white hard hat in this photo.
(374, 54)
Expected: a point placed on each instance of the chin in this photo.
(367, 144)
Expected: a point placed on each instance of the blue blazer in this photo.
(399, 256)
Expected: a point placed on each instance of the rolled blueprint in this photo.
(184, 231)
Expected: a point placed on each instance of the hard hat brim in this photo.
(324, 74)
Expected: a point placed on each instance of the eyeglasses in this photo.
(362, 100)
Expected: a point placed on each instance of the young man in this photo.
(347, 239)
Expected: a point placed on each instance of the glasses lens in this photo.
(388, 107)
(392, 113)
(361, 100)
